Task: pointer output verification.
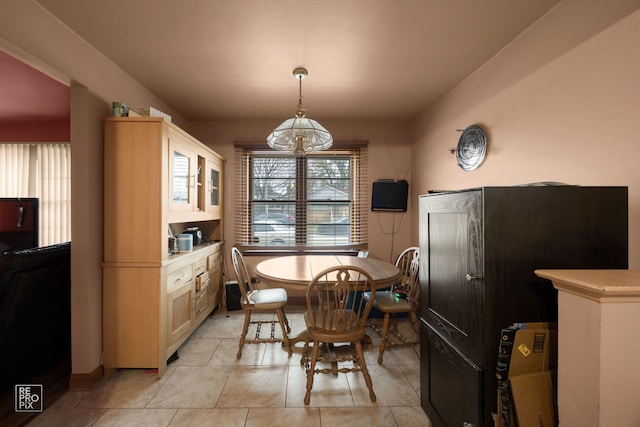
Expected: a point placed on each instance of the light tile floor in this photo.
(208, 386)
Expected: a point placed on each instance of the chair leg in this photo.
(304, 358)
(286, 321)
(415, 324)
(365, 371)
(245, 329)
(285, 338)
(311, 372)
(385, 330)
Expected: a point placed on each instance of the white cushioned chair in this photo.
(251, 299)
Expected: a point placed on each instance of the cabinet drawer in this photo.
(451, 383)
(202, 281)
(201, 300)
(179, 277)
(200, 266)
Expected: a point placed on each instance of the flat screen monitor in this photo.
(389, 196)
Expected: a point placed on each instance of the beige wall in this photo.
(30, 34)
(559, 103)
(389, 156)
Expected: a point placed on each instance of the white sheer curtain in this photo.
(42, 171)
(14, 174)
(54, 191)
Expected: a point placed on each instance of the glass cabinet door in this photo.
(212, 186)
(180, 178)
(182, 172)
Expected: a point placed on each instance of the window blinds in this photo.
(319, 200)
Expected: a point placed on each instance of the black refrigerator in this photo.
(18, 223)
(479, 249)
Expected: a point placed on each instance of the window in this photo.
(42, 171)
(316, 200)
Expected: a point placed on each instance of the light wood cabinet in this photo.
(157, 176)
(214, 267)
(180, 314)
(180, 293)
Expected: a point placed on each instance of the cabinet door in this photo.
(183, 166)
(202, 298)
(450, 383)
(451, 268)
(180, 295)
(181, 311)
(211, 189)
(214, 264)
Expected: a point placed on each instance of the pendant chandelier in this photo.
(300, 134)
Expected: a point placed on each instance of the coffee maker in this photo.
(197, 235)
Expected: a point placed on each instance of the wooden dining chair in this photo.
(334, 316)
(403, 297)
(251, 299)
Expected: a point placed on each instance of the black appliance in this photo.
(18, 223)
(478, 252)
(196, 233)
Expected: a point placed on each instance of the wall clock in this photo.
(472, 147)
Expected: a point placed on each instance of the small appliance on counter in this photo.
(185, 242)
(196, 233)
(173, 245)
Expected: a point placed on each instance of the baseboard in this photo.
(86, 381)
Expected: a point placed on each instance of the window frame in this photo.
(359, 196)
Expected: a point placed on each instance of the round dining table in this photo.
(296, 271)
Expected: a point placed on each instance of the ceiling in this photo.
(368, 60)
(27, 95)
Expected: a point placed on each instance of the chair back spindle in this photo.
(336, 313)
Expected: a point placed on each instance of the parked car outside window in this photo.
(279, 217)
(273, 233)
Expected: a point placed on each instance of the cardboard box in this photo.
(528, 400)
(533, 399)
(148, 112)
(526, 348)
